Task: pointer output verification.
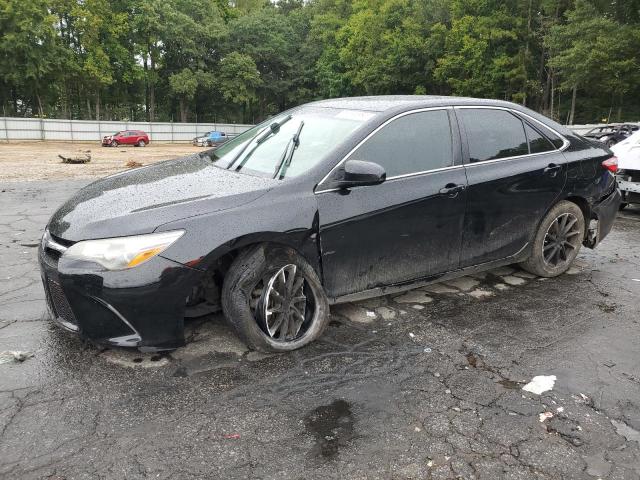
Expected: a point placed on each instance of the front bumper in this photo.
(141, 307)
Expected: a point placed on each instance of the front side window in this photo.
(289, 144)
(413, 143)
(493, 134)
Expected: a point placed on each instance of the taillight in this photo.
(611, 164)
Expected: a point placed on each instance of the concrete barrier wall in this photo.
(25, 129)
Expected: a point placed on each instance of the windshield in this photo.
(260, 149)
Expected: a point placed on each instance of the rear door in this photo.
(410, 225)
(515, 174)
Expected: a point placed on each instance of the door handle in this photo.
(552, 169)
(452, 189)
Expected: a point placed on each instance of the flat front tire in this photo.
(557, 241)
(274, 299)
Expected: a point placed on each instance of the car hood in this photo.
(140, 200)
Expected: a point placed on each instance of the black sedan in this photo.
(329, 202)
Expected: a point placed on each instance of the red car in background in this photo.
(126, 137)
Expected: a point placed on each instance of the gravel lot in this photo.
(21, 161)
(426, 384)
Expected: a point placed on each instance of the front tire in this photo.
(557, 242)
(114, 143)
(142, 143)
(274, 299)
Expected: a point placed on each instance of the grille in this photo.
(61, 306)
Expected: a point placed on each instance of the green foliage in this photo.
(215, 60)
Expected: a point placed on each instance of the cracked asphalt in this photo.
(427, 384)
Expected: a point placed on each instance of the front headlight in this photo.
(123, 252)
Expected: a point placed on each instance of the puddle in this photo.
(332, 427)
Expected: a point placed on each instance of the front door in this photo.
(407, 227)
(516, 172)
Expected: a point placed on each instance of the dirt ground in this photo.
(21, 161)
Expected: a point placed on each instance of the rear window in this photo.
(493, 134)
(538, 143)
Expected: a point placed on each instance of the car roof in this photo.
(386, 105)
(382, 103)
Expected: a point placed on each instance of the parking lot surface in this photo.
(426, 384)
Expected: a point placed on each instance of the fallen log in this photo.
(77, 158)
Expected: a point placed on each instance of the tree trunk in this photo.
(553, 92)
(40, 112)
(573, 104)
(152, 90)
(620, 108)
(183, 110)
(98, 105)
(88, 108)
(526, 56)
(146, 87)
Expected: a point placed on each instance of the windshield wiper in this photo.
(266, 133)
(273, 128)
(285, 161)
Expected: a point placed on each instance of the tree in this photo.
(27, 51)
(585, 49)
(237, 79)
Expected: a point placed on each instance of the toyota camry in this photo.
(329, 202)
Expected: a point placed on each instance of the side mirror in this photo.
(358, 173)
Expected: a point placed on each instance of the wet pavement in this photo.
(426, 384)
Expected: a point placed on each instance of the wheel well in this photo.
(584, 206)
(590, 222)
(205, 296)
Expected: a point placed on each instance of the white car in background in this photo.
(628, 153)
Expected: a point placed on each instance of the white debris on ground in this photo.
(134, 359)
(354, 313)
(545, 416)
(480, 293)
(513, 280)
(540, 384)
(439, 288)
(463, 283)
(14, 356)
(386, 313)
(414, 296)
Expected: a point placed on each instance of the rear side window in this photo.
(413, 143)
(537, 142)
(493, 134)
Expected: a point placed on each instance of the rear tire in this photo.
(557, 242)
(141, 143)
(274, 319)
